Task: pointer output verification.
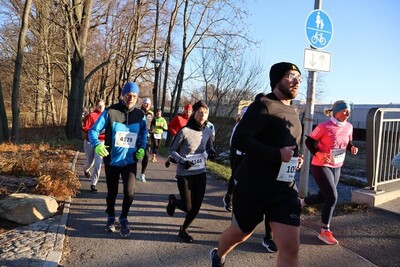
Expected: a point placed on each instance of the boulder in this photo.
(25, 208)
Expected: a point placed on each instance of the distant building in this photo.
(358, 116)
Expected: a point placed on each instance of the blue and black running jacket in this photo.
(125, 132)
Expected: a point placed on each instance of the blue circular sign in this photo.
(319, 29)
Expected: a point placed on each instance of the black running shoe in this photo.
(227, 202)
(185, 236)
(171, 205)
(110, 226)
(87, 174)
(270, 245)
(93, 188)
(215, 261)
(124, 231)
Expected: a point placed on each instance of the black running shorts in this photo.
(249, 210)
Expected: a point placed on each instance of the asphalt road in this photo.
(365, 239)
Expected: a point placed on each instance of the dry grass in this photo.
(343, 208)
(48, 167)
(40, 165)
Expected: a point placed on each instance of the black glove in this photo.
(211, 154)
(169, 161)
(188, 164)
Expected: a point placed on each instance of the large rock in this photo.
(27, 208)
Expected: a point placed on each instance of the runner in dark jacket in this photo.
(269, 134)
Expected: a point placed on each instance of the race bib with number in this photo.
(125, 139)
(198, 160)
(288, 170)
(157, 136)
(338, 155)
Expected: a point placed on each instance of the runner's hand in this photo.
(211, 154)
(354, 150)
(188, 164)
(300, 161)
(287, 153)
(140, 154)
(101, 150)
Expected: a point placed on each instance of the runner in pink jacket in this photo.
(328, 143)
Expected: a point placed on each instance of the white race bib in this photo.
(199, 161)
(157, 136)
(125, 139)
(288, 170)
(338, 155)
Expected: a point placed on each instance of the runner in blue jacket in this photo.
(125, 143)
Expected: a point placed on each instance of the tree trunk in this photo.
(155, 57)
(179, 86)
(53, 110)
(17, 72)
(40, 89)
(42, 11)
(3, 118)
(75, 99)
(68, 82)
(79, 17)
(166, 56)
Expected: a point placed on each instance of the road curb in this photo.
(54, 257)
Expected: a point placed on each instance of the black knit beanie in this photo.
(198, 105)
(279, 70)
(192, 123)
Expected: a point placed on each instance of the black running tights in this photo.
(128, 175)
(191, 189)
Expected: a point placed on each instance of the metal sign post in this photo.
(319, 32)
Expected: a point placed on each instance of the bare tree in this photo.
(168, 49)
(41, 71)
(133, 43)
(228, 79)
(44, 30)
(17, 71)
(69, 42)
(157, 64)
(79, 14)
(206, 20)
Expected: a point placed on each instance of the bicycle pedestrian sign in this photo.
(319, 29)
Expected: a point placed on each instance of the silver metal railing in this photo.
(383, 143)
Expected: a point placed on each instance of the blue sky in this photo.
(365, 45)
